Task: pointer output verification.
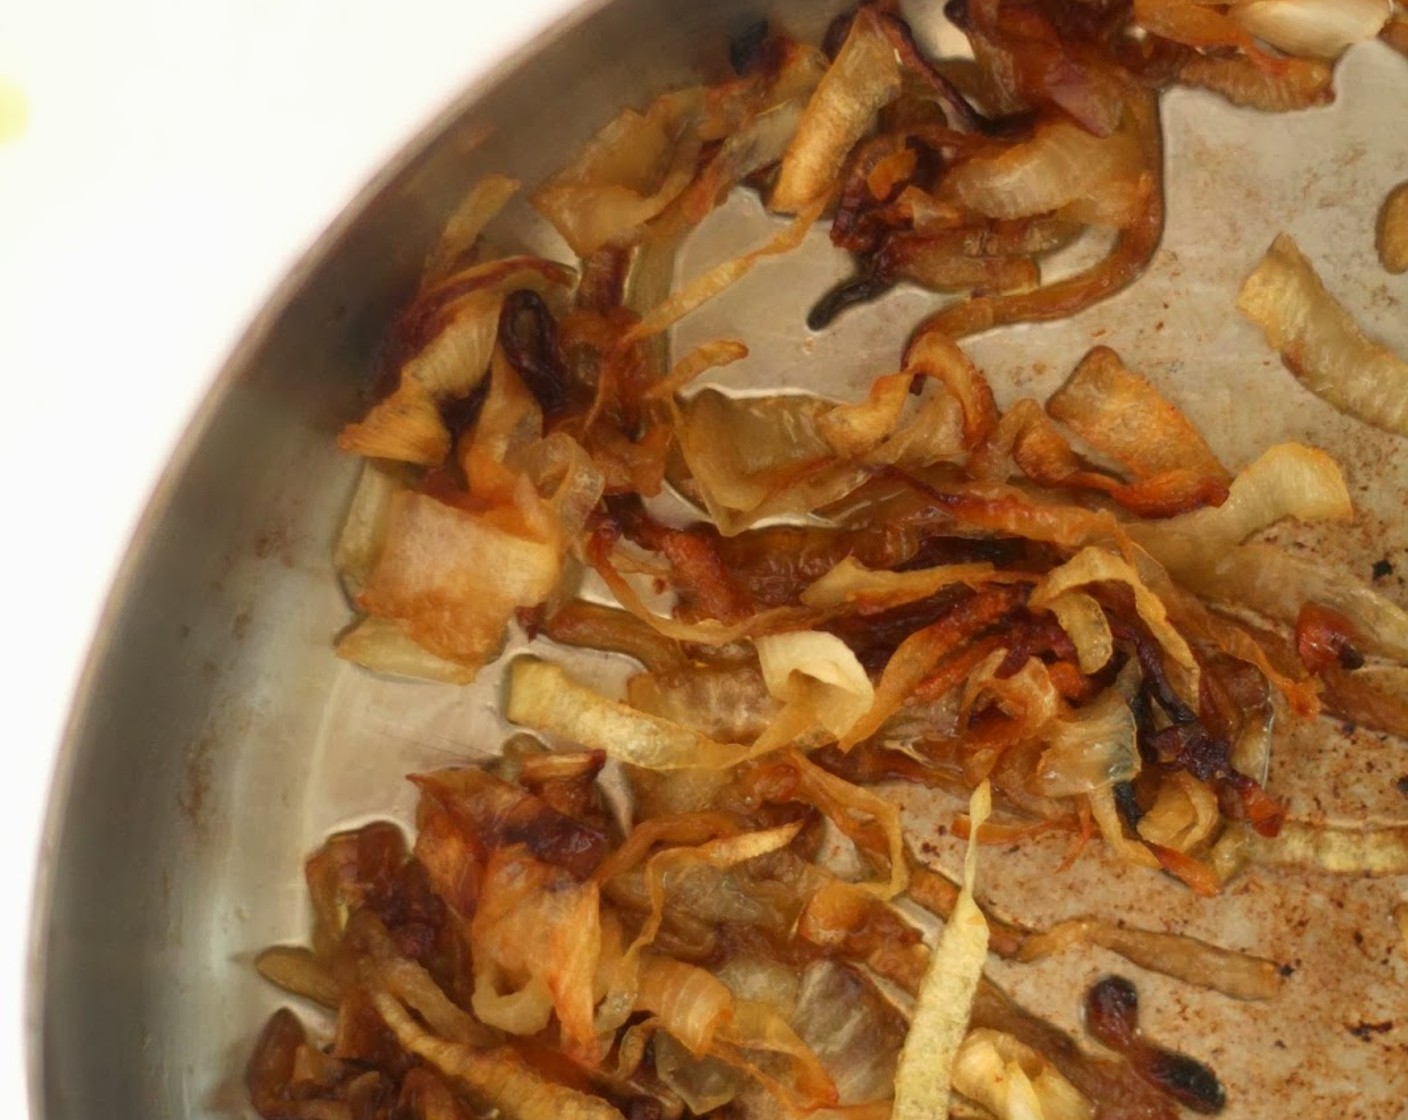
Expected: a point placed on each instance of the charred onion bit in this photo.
(499, 815)
(1186, 743)
(1325, 637)
(851, 292)
(745, 48)
(461, 413)
(528, 335)
(1112, 1016)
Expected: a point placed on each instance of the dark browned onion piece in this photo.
(1131, 254)
(1324, 637)
(850, 292)
(1112, 1016)
(746, 47)
(528, 334)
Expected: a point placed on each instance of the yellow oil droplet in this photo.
(14, 111)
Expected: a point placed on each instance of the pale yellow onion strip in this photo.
(1236, 974)
(1012, 1081)
(1312, 28)
(1368, 851)
(502, 1078)
(944, 1002)
(1061, 163)
(688, 1001)
(1300, 84)
(1184, 814)
(791, 725)
(704, 288)
(709, 355)
(414, 986)
(817, 674)
(1239, 975)
(1391, 234)
(296, 969)
(1093, 746)
(864, 78)
(631, 170)
(383, 646)
(1276, 584)
(363, 532)
(1320, 342)
(852, 430)
(543, 697)
(451, 363)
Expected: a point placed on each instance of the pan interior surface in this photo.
(218, 740)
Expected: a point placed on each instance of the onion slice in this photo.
(1123, 416)
(543, 697)
(1061, 163)
(634, 167)
(383, 646)
(817, 677)
(1013, 1081)
(1391, 238)
(1369, 851)
(1097, 565)
(945, 998)
(1321, 343)
(1312, 28)
(480, 206)
(864, 78)
(1239, 975)
(852, 585)
(1300, 83)
(1133, 250)
(499, 1076)
(430, 576)
(1287, 480)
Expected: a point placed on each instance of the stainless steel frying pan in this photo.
(216, 739)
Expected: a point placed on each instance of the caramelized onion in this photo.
(1062, 162)
(1112, 1016)
(1312, 28)
(1320, 343)
(1133, 249)
(1391, 238)
(1299, 83)
(864, 77)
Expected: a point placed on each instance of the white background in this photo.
(162, 163)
